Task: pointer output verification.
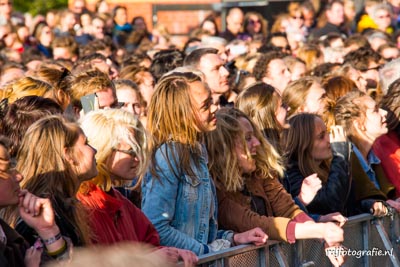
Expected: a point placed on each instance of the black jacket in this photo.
(336, 194)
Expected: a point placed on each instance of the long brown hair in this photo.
(224, 167)
(298, 141)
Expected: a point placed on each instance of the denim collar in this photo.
(367, 166)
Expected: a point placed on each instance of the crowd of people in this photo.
(111, 133)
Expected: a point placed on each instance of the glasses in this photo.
(6, 4)
(377, 68)
(252, 22)
(129, 152)
(298, 17)
(384, 16)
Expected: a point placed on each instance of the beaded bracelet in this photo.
(52, 240)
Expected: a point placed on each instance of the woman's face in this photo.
(130, 100)
(247, 164)
(210, 27)
(123, 162)
(9, 180)
(147, 86)
(86, 161)
(321, 149)
(46, 36)
(375, 119)
(254, 25)
(315, 99)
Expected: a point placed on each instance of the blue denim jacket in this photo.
(183, 209)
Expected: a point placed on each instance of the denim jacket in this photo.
(183, 209)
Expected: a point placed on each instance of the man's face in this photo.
(277, 75)
(215, 73)
(107, 98)
(371, 75)
(235, 22)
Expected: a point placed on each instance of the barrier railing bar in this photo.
(273, 249)
(212, 256)
(263, 255)
(365, 234)
(386, 241)
(276, 249)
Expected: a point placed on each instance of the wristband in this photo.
(52, 240)
(59, 251)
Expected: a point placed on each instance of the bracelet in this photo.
(58, 251)
(52, 240)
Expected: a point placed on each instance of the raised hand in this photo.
(309, 188)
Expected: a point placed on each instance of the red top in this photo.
(113, 218)
(387, 148)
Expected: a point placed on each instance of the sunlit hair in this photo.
(42, 161)
(310, 54)
(115, 125)
(58, 79)
(298, 142)
(224, 167)
(26, 86)
(296, 92)
(348, 109)
(335, 87)
(171, 117)
(23, 113)
(391, 103)
(89, 82)
(338, 86)
(260, 102)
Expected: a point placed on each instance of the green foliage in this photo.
(35, 7)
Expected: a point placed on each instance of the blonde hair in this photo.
(26, 86)
(225, 167)
(89, 82)
(47, 172)
(309, 54)
(260, 102)
(296, 92)
(171, 118)
(115, 125)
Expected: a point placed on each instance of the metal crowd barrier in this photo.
(362, 234)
